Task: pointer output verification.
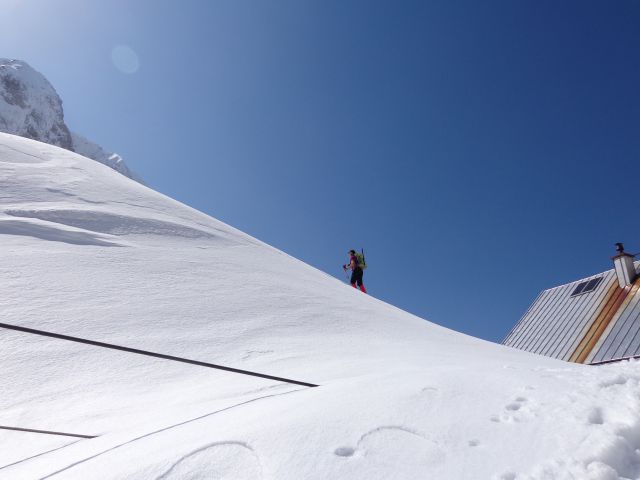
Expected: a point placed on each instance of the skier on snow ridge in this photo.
(357, 265)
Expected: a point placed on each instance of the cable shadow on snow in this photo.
(40, 454)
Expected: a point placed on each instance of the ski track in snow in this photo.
(13, 159)
(220, 460)
(40, 454)
(146, 435)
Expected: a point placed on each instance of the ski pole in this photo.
(344, 267)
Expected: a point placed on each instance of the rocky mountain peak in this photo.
(31, 107)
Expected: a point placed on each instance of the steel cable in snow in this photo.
(46, 432)
(152, 354)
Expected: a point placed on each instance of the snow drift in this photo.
(89, 253)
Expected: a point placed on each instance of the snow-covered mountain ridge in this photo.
(89, 253)
(30, 107)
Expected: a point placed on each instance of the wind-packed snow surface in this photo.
(89, 253)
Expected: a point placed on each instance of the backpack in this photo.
(360, 258)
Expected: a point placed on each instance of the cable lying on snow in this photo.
(152, 354)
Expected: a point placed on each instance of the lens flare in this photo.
(125, 59)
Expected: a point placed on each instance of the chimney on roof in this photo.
(623, 264)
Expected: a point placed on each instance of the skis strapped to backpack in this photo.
(361, 261)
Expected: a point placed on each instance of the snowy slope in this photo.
(89, 253)
(30, 107)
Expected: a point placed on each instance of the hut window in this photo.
(586, 287)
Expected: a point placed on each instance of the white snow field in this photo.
(88, 253)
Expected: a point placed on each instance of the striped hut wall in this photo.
(634, 348)
(596, 326)
(543, 319)
(615, 299)
(585, 320)
(527, 323)
(554, 322)
(620, 339)
(518, 326)
(575, 320)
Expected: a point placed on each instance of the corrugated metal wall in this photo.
(596, 326)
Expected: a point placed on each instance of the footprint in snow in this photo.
(514, 411)
(617, 380)
(406, 448)
(595, 417)
(516, 405)
(506, 476)
(344, 451)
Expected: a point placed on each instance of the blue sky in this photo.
(479, 151)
